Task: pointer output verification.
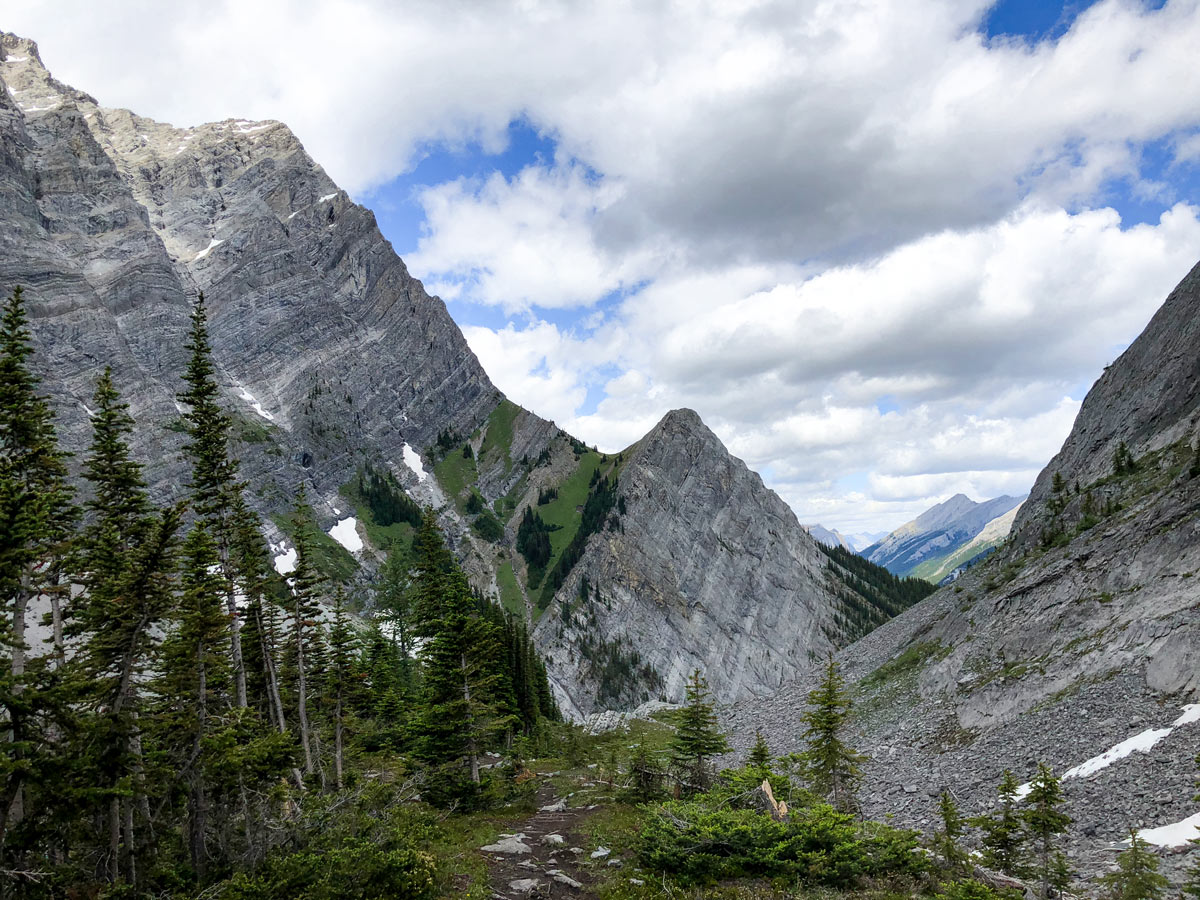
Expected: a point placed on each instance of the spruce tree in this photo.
(1046, 821)
(36, 518)
(461, 717)
(760, 753)
(307, 586)
(342, 650)
(832, 766)
(1137, 876)
(1004, 835)
(697, 739)
(214, 485)
(947, 842)
(127, 563)
(195, 687)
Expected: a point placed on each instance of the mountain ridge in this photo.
(334, 359)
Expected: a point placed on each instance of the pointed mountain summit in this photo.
(707, 569)
(343, 375)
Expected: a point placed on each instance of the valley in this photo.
(513, 636)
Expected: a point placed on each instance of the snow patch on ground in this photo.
(254, 404)
(327, 197)
(345, 533)
(251, 128)
(1191, 714)
(1142, 742)
(16, 59)
(412, 459)
(285, 560)
(212, 245)
(1174, 835)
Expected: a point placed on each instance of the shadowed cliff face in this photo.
(326, 344)
(332, 355)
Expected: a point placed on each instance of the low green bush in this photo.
(700, 841)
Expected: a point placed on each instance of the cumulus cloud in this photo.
(943, 366)
(869, 244)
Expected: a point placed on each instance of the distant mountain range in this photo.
(944, 539)
(834, 538)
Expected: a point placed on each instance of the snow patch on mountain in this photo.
(1174, 835)
(412, 459)
(345, 533)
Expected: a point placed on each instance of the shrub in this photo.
(698, 842)
(357, 869)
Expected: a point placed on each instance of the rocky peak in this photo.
(29, 81)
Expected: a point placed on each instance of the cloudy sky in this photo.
(883, 247)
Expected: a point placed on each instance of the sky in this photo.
(883, 247)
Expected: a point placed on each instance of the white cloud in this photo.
(521, 243)
(811, 211)
(977, 337)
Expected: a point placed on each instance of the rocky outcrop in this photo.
(706, 569)
(332, 356)
(1081, 634)
(330, 351)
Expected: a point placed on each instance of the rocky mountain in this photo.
(1077, 643)
(345, 376)
(924, 547)
(830, 538)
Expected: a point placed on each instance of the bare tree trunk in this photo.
(198, 800)
(302, 700)
(235, 644)
(16, 807)
(472, 749)
(271, 676)
(131, 874)
(337, 740)
(114, 839)
(56, 622)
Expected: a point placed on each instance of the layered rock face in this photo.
(326, 344)
(708, 569)
(332, 355)
(1080, 634)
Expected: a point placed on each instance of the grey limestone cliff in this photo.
(326, 344)
(332, 356)
(707, 569)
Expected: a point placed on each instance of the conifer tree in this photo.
(36, 516)
(832, 766)
(1137, 876)
(342, 647)
(697, 739)
(127, 563)
(195, 685)
(434, 568)
(307, 585)
(214, 485)
(461, 717)
(1003, 830)
(760, 753)
(947, 842)
(1046, 821)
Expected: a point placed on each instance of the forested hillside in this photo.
(192, 717)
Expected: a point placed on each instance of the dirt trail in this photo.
(547, 868)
